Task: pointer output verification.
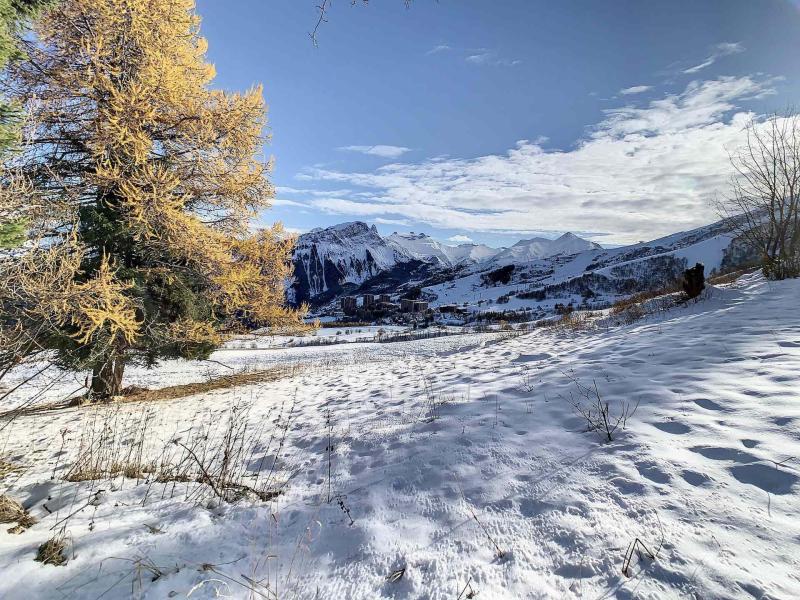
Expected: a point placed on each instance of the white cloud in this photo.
(639, 174)
(490, 58)
(720, 50)
(460, 239)
(282, 189)
(379, 150)
(401, 222)
(636, 89)
(285, 202)
(438, 49)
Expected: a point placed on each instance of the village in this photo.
(375, 307)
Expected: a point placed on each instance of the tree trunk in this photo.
(107, 378)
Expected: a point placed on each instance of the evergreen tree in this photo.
(143, 181)
(13, 15)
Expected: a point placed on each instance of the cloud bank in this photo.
(636, 89)
(642, 172)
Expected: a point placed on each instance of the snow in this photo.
(446, 451)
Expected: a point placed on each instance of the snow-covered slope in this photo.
(595, 274)
(441, 468)
(421, 247)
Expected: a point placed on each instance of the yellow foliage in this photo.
(45, 282)
(124, 85)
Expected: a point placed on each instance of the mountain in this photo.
(536, 248)
(353, 258)
(425, 248)
(593, 277)
(330, 261)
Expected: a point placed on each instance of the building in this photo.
(367, 301)
(384, 299)
(349, 305)
(413, 306)
(452, 309)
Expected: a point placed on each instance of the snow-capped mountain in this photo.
(595, 276)
(536, 248)
(425, 248)
(327, 260)
(353, 258)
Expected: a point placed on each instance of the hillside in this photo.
(590, 278)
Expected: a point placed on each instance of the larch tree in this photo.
(140, 182)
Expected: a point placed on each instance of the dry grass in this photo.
(230, 458)
(53, 551)
(11, 511)
(7, 468)
(730, 277)
(575, 321)
(174, 392)
(131, 470)
(632, 302)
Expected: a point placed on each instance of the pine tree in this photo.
(144, 181)
(13, 16)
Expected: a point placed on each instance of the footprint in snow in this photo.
(652, 472)
(708, 404)
(526, 358)
(673, 427)
(766, 477)
(720, 453)
(694, 478)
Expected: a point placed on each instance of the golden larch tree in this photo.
(139, 183)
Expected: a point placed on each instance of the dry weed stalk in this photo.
(597, 412)
(227, 457)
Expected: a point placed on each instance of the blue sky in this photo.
(495, 121)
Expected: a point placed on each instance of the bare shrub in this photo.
(599, 414)
(763, 207)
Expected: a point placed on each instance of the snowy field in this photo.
(449, 468)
